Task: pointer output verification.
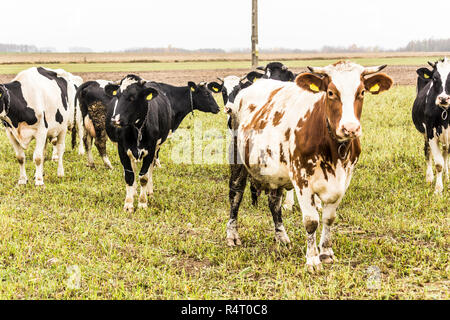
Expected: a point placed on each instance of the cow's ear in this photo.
(378, 83)
(111, 89)
(311, 82)
(149, 93)
(424, 73)
(192, 86)
(253, 76)
(215, 87)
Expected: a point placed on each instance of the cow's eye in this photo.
(363, 92)
(330, 94)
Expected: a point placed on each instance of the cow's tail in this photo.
(76, 102)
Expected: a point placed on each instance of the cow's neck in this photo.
(180, 100)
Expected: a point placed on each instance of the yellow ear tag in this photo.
(215, 89)
(375, 88)
(149, 97)
(0, 95)
(313, 87)
(255, 79)
(192, 89)
(426, 76)
(114, 92)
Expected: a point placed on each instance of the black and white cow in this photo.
(430, 114)
(143, 116)
(93, 102)
(39, 104)
(277, 71)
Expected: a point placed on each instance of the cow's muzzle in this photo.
(443, 101)
(349, 130)
(115, 121)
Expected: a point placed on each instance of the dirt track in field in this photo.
(402, 75)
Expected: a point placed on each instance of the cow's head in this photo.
(4, 101)
(440, 86)
(130, 100)
(344, 85)
(277, 71)
(230, 87)
(202, 98)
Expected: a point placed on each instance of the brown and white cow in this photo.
(302, 135)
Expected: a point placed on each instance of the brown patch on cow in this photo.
(287, 134)
(247, 153)
(277, 118)
(282, 156)
(269, 152)
(259, 120)
(313, 142)
(251, 107)
(240, 105)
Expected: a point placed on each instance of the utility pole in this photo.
(255, 49)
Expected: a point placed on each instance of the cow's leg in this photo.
(289, 200)
(238, 180)
(429, 173)
(87, 140)
(144, 177)
(54, 141)
(328, 216)
(129, 172)
(311, 221)
(80, 131)
(255, 194)
(100, 143)
(20, 156)
(438, 163)
(445, 156)
(38, 155)
(275, 197)
(60, 147)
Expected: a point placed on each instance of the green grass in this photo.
(162, 66)
(176, 249)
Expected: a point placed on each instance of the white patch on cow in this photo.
(347, 78)
(127, 82)
(229, 83)
(443, 68)
(103, 83)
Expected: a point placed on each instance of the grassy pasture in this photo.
(389, 220)
(208, 65)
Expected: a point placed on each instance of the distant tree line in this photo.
(17, 48)
(427, 45)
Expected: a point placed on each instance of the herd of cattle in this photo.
(289, 132)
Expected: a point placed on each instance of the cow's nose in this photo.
(351, 129)
(444, 100)
(115, 121)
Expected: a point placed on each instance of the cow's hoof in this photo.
(90, 165)
(39, 183)
(288, 206)
(22, 181)
(232, 242)
(327, 259)
(282, 237)
(60, 173)
(142, 205)
(55, 158)
(438, 190)
(128, 207)
(313, 264)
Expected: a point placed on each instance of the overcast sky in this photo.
(192, 24)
